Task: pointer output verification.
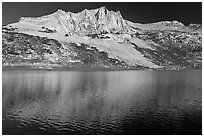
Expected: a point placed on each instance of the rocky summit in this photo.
(100, 39)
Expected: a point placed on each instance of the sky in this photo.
(137, 12)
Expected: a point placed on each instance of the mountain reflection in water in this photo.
(113, 102)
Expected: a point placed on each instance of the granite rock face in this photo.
(100, 38)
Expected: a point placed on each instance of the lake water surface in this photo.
(112, 102)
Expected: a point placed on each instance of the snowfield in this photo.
(163, 44)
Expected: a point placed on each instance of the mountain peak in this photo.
(102, 8)
(59, 11)
(94, 21)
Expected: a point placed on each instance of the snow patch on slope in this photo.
(121, 51)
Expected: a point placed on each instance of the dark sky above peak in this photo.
(147, 12)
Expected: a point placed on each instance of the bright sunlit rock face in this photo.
(109, 38)
(83, 22)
